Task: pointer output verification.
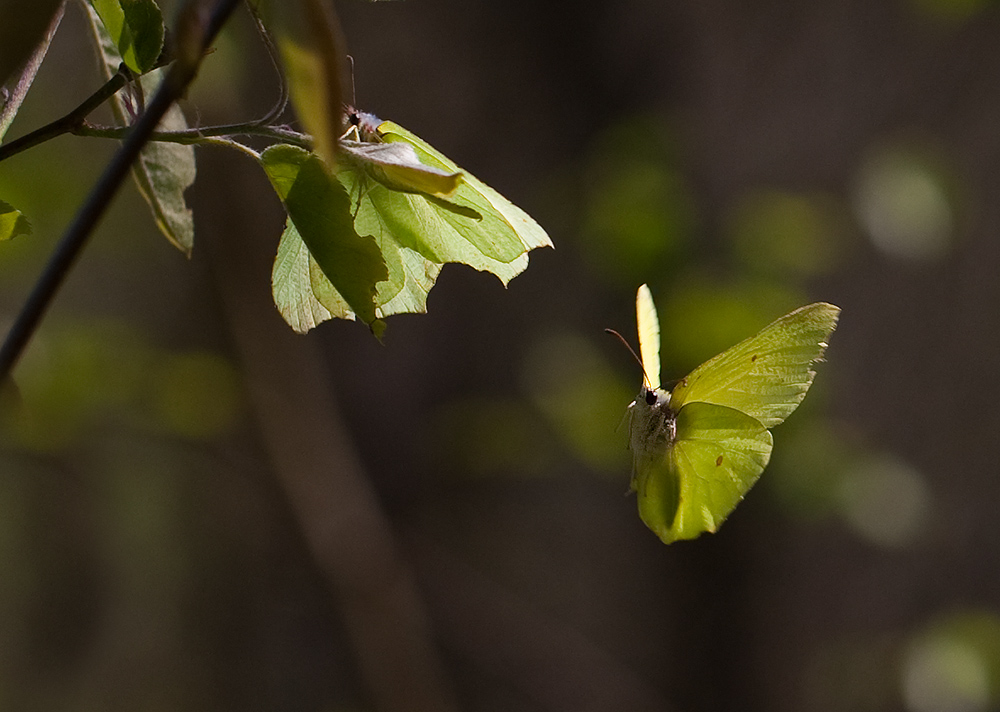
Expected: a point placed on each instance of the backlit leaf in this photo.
(164, 170)
(319, 208)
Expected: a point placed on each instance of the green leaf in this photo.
(422, 211)
(12, 222)
(164, 171)
(698, 449)
(302, 305)
(320, 210)
(312, 51)
(474, 214)
(136, 29)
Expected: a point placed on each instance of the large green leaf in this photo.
(422, 211)
(320, 210)
(136, 29)
(12, 222)
(305, 297)
(164, 170)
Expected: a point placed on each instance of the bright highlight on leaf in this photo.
(698, 449)
(419, 209)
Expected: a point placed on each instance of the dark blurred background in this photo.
(200, 510)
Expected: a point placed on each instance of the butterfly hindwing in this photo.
(717, 455)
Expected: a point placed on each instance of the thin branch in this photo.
(70, 122)
(272, 52)
(200, 135)
(27, 76)
(75, 121)
(174, 85)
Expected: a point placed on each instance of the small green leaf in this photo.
(319, 208)
(312, 51)
(136, 28)
(12, 222)
(164, 171)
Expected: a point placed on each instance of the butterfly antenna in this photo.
(354, 99)
(645, 378)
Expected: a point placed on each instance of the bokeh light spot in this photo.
(885, 500)
(901, 200)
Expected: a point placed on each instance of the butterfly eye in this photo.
(651, 397)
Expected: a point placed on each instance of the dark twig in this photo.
(180, 75)
(68, 123)
(197, 135)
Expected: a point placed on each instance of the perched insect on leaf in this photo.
(408, 193)
(699, 448)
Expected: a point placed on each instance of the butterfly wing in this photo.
(498, 228)
(693, 484)
(767, 375)
(649, 336)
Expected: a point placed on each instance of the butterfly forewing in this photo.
(717, 455)
(649, 336)
(512, 231)
(767, 375)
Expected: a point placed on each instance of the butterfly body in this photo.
(700, 447)
(652, 422)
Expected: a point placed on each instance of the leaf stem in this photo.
(181, 73)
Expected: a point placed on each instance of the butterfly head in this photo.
(654, 399)
(361, 123)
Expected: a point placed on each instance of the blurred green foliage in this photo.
(637, 210)
(83, 376)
